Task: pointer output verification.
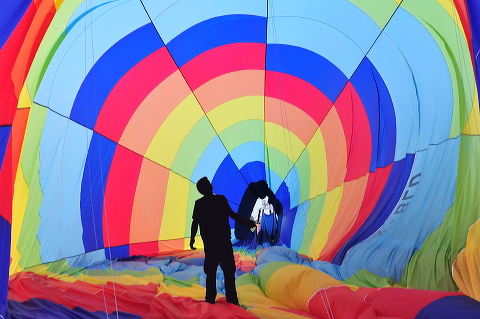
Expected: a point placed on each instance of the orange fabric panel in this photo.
(335, 148)
(229, 86)
(153, 111)
(352, 196)
(147, 208)
(290, 117)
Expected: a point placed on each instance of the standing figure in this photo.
(211, 212)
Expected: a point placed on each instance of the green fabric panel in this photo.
(180, 283)
(193, 147)
(242, 132)
(303, 169)
(278, 162)
(430, 268)
(247, 279)
(314, 213)
(452, 43)
(379, 10)
(364, 278)
(28, 244)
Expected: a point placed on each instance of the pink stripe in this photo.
(131, 90)
(224, 59)
(119, 196)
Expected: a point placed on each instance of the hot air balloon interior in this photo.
(348, 130)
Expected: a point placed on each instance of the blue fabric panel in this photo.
(4, 136)
(46, 309)
(12, 12)
(216, 32)
(388, 199)
(308, 66)
(5, 235)
(379, 107)
(451, 307)
(117, 252)
(288, 221)
(97, 166)
(474, 17)
(109, 69)
(253, 172)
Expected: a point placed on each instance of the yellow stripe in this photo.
(318, 165)
(283, 140)
(24, 100)
(19, 205)
(332, 202)
(235, 111)
(473, 125)
(173, 132)
(176, 200)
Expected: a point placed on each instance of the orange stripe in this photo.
(230, 86)
(153, 111)
(290, 117)
(335, 148)
(147, 211)
(352, 198)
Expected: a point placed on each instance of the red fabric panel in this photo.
(298, 92)
(119, 196)
(137, 299)
(131, 90)
(340, 303)
(375, 185)
(400, 302)
(224, 59)
(357, 132)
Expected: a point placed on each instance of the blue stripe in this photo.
(109, 69)
(117, 252)
(451, 307)
(308, 66)
(12, 12)
(4, 137)
(377, 101)
(94, 181)
(216, 32)
(5, 235)
(390, 196)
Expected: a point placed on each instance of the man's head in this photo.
(204, 186)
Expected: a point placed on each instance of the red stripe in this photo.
(357, 132)
(298, 92)
(224, 59)
(119, 196)
(131, 90)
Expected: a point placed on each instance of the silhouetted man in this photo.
(211, 212)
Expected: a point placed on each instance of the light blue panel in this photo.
(83, 45)
(335, 29)
(63, 149)
(210, 160)
(299, 225)
(431, 76)
(173, 17)
(273, 180)
(421, 210)
(293, 183)
(94, 259)
(248, 152)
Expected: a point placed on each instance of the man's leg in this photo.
(227, 262)
(210, 269)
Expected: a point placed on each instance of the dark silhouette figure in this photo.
(211, 212)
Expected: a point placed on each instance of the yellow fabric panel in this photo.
(176, 199)
(465, 267)
(329, 212)
(173, 132)
(24, 100)
(20, 197)
(252, 295)
(473, 124)
(194, 292)
(235, 111)
(318, 165)
(284, 141)
(294, 285)
(102, 277)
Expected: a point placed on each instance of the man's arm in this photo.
(246, 222)
(193, 233)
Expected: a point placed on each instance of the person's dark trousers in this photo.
(222, 256)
